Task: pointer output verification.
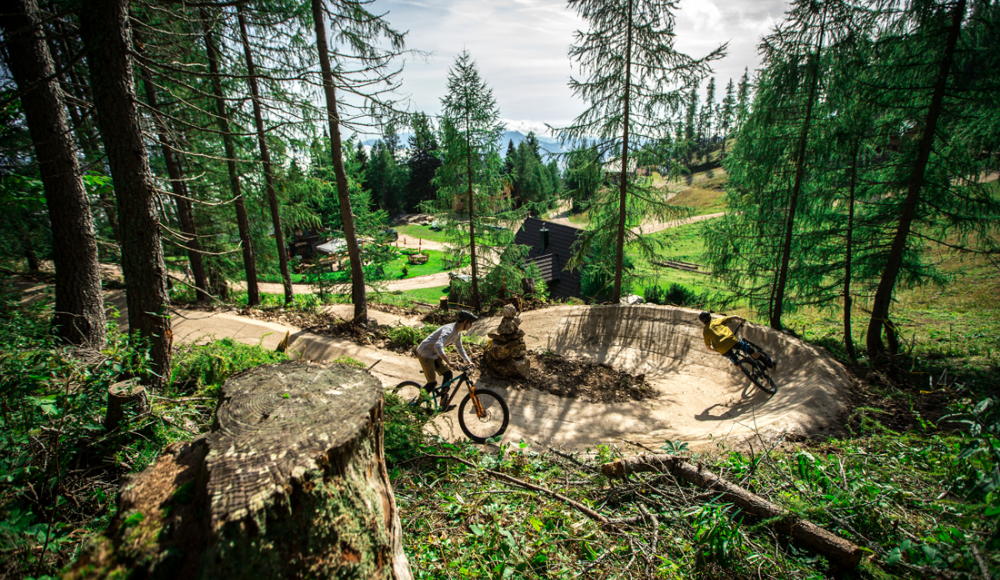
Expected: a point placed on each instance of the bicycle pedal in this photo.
(449, 408)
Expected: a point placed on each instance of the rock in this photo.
(503, 351)
(509, 311)
(510, 326)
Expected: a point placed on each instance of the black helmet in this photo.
(466, 316)
(704, 317)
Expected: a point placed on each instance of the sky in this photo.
(521, 48)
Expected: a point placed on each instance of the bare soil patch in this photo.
(580, 379)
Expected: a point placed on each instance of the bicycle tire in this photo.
(757, 374)
(414, 395)
(479, 429)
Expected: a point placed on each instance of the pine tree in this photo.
(471, 169)
(635, 81)
(706, 119)
(422, 163)
(743, 97)
(727, 113)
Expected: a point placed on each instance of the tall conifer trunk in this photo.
(108, 39)
(242, 221)
(185, 213)
(265, 159)
(620, 241)
(883, 295)
(79, 308)
(346, 215)
(472, 231)
(848, 243)
(786, 248)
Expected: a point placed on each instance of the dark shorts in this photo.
(740, 346)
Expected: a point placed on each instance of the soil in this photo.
(580, 379)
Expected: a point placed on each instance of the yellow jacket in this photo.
(718, 336)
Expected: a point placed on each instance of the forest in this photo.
(196, 194)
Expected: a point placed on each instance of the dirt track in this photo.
(702, 397)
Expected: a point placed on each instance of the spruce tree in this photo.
(635, 80)
(472, 170)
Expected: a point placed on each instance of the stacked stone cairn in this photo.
(506, 355)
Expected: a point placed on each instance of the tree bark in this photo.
(107, 35)
(883, 294)
(265, 158)
(242, 221)
(848, 301)
(837, 550)
(121, 395)
(623, 194)
(291, 483)
(786, 249)
(333, 118)
(185, 214)
(472, 210)
(79, 308)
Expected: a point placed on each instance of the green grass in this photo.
(393, 270)
(422, 232)
(685, 243)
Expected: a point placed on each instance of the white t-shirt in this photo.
(433, 346)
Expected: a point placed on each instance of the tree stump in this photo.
(121, 395)
(291, 483)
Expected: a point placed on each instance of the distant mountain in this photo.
(548, 144)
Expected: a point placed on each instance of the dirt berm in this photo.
(701, 395)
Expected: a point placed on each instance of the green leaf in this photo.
(894, 557)
(476, 529)
(535, 523)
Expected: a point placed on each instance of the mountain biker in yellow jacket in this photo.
(719, 338)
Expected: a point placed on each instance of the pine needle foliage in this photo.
(633, 81)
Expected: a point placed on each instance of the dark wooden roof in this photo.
(553, 258)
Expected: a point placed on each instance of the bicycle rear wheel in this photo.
(414, 395)
(493, 421)
(757, 374)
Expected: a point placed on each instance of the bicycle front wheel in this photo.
(491, 422)
(414, 395)
(758, 375)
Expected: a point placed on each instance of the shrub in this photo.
(206, 367)
(679, 295)
(653, 295)
(404, 336)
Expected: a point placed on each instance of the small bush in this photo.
(679, 295)
(206, 367)
(403, 336)
(653, 295)
(405, 271)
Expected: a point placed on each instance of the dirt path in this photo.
(701, 396)
(650, 228)
(417, 282)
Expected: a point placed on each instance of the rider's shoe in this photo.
(769, 361)
(449, 408)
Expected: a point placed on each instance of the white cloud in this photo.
(521, 47)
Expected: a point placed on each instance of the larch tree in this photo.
(937, 83)
(362, 65)
(222, 118)
(634, 81)
(107, 36)
(79, 307)
(265, 156)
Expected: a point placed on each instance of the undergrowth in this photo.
(59, 466)
(920, 504)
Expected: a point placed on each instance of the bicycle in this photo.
(756, 368)
(482, 414)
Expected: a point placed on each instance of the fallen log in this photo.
(836, 550)
(290, 483)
